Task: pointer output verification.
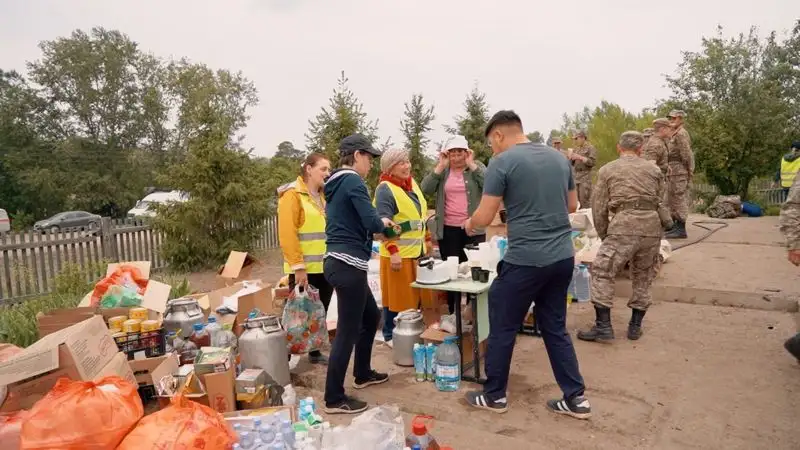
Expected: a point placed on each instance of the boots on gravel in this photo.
(635, 325)
(678, 231)
(601, 331)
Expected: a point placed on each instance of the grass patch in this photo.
(18, 324)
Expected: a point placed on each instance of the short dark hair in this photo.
(502, 118)
(348, 159)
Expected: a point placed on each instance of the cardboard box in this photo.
(239, 267)
(118, 366)
(213, 389)
(79, 352)
(249, 381)
(143, 368)
(260, 297)
(431, 335)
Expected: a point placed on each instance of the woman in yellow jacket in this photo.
(301, 231)
(399, 198)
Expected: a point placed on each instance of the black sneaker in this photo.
(792, 345)
(318, 358)
(478, 400)
(347, 406)
(578, 407)
(373, 378)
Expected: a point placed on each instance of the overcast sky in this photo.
(541, 58)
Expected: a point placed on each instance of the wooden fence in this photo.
(30, 260)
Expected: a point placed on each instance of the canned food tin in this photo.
(132, 326)
(121, 338)
(116, 322)
(149, 325)
(114, 331)
(138, 313)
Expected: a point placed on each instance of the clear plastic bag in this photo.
(380, 428)
(305, 321)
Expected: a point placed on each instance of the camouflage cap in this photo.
(648, 132)
(631, 140)
(580, 134)
(557, 140)
(676, 113)
(661, 122)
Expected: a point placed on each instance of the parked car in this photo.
(5, 222)
(69, 220)
(143, 206)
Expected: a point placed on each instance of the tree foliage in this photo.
(343, 116)
(416, 123)
(472, 124)
(735, 92)
(536, 137)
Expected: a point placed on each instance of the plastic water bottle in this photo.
(448, 365)
(288, 435)
(266, 433)
(582, 283)
(571, 289)
(256, 424)
(246, 439)
(213, 329)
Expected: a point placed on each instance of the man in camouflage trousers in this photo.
(681, 170)
(655, 148)
(630, 190)
(583, 157)
(790, 226)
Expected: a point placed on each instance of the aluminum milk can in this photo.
(262, 345)
(408, 328)
(181, 314)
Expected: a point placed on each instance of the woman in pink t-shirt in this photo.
(456, 184)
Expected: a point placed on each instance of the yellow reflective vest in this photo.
(789, 171)
(410, 244)
(311, 235)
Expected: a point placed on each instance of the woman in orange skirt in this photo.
(399, 198)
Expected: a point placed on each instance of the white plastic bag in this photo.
(380, 428)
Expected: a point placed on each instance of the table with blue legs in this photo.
(478, 297)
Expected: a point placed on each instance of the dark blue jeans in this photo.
(355, 328)
(510, 298)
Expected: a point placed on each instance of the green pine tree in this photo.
(416, 122)
(472, 125)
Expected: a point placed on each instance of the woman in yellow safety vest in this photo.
(399, 198)
(301, 231)
(790, 166)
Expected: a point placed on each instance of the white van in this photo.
(143, 209)
(5, 222)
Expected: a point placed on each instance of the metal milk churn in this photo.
(408, 328)
(263, 346)
(181, 314)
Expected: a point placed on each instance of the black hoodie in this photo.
(351, 220)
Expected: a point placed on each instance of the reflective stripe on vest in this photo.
(411, 243)
(311, 235)
(789, 172)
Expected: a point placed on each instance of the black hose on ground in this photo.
(709, 232)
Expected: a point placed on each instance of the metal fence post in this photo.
(108, 240)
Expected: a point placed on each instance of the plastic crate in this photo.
(152, 343)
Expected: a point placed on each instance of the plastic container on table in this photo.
(200, 336)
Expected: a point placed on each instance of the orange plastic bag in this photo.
(124, 275)
(182, 425)
(80, 415)
(10, 427)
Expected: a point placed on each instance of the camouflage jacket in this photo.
(655, 149)
(679, 153)
(632, 190)
(790, 217)
(583, 170)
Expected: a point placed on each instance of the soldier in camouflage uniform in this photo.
(655, 148)
(630, 190)
(790, 226)
(647, 132)
(584, 157)
(681, 171)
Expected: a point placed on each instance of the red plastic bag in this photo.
(81, 415)
(10, 428)
(124, 275)
(183, 425)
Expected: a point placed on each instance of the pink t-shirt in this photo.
(455, 199)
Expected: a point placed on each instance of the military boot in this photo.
(792, 345)
(601, 331)
(678, 231)
(635, 325)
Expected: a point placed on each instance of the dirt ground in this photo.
(702, 377)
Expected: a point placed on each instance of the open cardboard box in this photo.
(239, 267)
(260, 298)
(435, 336)
(215, 390)
(82, 351)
